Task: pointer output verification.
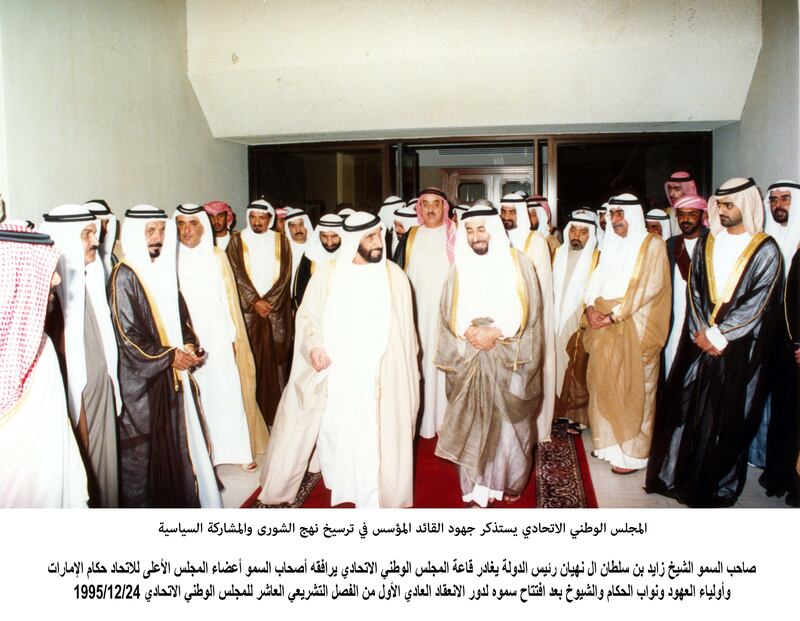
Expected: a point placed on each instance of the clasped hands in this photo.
(262, 308)
(597, 319)
(482, 337)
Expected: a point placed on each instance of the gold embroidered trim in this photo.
(734, 277)
(409, 242)
(157, 318)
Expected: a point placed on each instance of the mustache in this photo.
(156, 245)
(94, 247)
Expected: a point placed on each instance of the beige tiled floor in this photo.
(612, 490)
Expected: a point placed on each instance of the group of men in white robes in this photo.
(180, 345)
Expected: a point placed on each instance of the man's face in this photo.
(674, 191)
(432, 210)
(154, 237)
(779, 202)
(330, 240)
(280, 225)
(509, 217)
(578, 236)
(729, 214)
(399, 229)
(618, 222)
(219, 223)
(298, 231)
(601, 219)
(259, 221)
(689, 220)
(477, 235)
(90, 243)
(190, 230)
(534, 218)
(653, 226)
(370, 249)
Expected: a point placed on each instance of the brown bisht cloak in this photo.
(270, 338)
(486, 389)
(712, 405)
(155, 466)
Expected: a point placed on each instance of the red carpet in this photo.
(560, 479)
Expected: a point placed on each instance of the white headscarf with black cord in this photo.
(618, 259)
(487, 284)
(64, 224)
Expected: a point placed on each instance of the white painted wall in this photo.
(765, 143)
(98, 105)
(269, 71)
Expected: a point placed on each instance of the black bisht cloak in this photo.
(711, 406)
(783, 436)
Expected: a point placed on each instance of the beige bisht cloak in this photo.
(624, 358)
(552, 245)
(536, 248)
(486, 389)
(259, 435)
(297, 421)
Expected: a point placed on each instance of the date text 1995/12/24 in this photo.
(106, 591)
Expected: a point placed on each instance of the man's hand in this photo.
(483, 338)
(184, 360)
(797, 355)
(262, 308)
(597, 320)
(319, 359)
(701, 340)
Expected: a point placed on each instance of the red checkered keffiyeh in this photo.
(27, 262)
(215, 207)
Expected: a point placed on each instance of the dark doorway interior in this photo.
(591, 171)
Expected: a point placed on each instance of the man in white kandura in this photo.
(426, 253)
(491, 345)
(87, 346)
(42, 465)
(532, 241)
(202, 283)
(354, 387)
(573, 265)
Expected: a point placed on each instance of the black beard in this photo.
(509, 225)
(370, 256)
(688, 228)
(780, 215)
(333, 248)
(480, 250)
(575, 245)
(154, 252)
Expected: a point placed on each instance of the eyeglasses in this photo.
(784, 199)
